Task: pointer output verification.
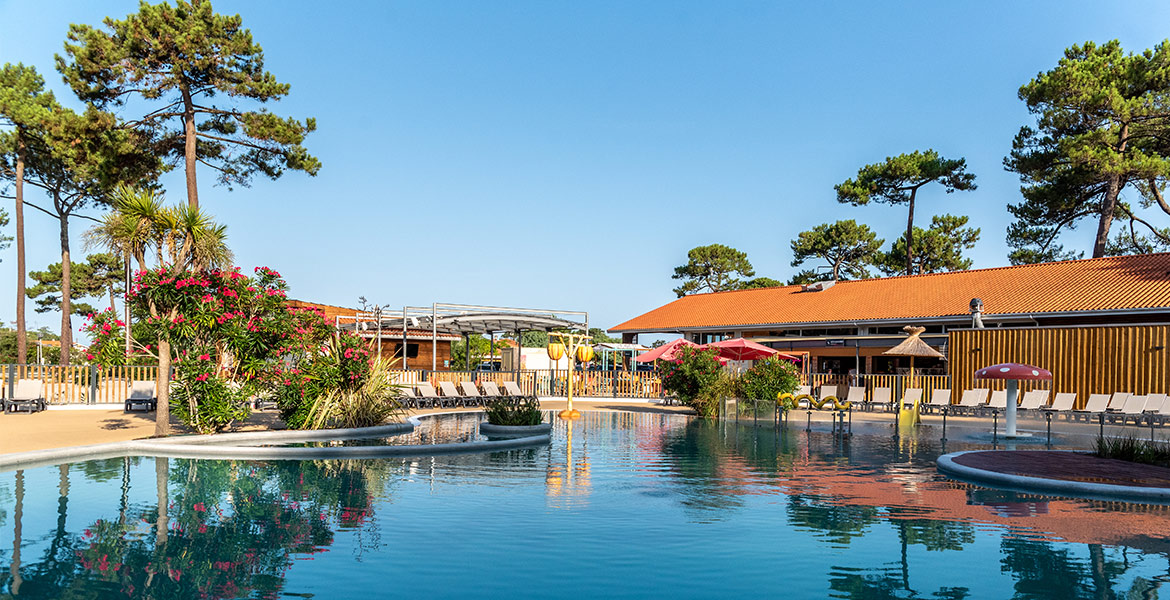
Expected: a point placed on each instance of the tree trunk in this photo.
(910, 235)
(162, 472)
(162, 415)
(112, 307)
(1108, 207)
(66, 293)
(189, 146)
(1109, 204)
(836, 270)
(21, 332)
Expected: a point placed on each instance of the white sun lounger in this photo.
(451, 395)
(1117, 402)
(971, 401)
(1034, 400)
(471, 395)
(910, 396)
(514, 391)
(1062, 405)
(939, 400)
(855, 396)
(1095, 405)
(1158, 408)
(427, 396)
(1134, 408)
(141, 395)
(29, 395)
(883, 397)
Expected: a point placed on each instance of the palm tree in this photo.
(181, 238)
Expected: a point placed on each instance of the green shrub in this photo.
(695, 379)
(502, 411)
(769, 378)
(1133, 450)
(370, 402)
(204, 399)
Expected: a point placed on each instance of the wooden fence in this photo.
(1083, 360)
(897, 383)
(77, 384)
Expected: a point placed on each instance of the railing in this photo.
(897, 383)
(77, 384)
(548, 382)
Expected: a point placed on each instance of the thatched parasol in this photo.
(912, 346)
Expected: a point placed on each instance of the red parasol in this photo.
(666, 351)
(744, 349)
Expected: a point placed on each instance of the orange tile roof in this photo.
(1100, 284)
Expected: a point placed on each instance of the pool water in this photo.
(620, 505)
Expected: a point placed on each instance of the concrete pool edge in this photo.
(1046, 486)
(217, 446)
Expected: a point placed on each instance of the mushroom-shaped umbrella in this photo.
(666, 351)
(1013, 372)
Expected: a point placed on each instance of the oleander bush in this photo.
(695, 379)
(769, 378)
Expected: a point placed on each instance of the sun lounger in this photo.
(910, 397)
(513, 391)
(939, 400)
(427, 396)
(451, 395)
(1117, 402)
(141, 395)
(29, 396)
(825, 391)
(997, 404)
(971, 401)
(1034, 400)
(882, 396)
(491, 390)
(1158, 408)
(1096, 404)
(1062, 405)
(802, 390)
(1134, 408)
(855, 396)
(471, 395)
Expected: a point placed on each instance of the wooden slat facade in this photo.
(1084, 360)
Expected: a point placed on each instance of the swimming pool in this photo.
(622, 505)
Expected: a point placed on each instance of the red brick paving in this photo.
(1067, 466)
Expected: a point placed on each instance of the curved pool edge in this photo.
(1046, 486)
(223, 446)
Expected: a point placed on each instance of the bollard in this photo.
(994, 424)
(808, 420)
(1048, 417)
(1101, 418)
(944, 432)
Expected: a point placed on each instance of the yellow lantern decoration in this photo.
(556, 351)
(584, 353)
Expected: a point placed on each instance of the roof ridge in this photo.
(940, 273)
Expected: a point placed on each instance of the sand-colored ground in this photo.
(56, 428)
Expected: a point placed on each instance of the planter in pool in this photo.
(486, 428)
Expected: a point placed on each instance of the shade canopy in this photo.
(483, 323)
(666, 351)
(744, 349)
(1015, 371)
(913, 345)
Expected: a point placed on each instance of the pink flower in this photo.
(204, 356)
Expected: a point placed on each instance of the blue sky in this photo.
(567, 155)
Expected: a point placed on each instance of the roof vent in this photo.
(818, 286)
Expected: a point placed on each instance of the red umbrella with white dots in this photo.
(1013, 373)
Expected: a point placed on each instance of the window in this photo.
(411, 350)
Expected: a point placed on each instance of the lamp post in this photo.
(575, 346)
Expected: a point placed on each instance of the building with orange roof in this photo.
(848, 324)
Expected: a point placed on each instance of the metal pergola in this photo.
(467, 320)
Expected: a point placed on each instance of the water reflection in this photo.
(805, 514)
